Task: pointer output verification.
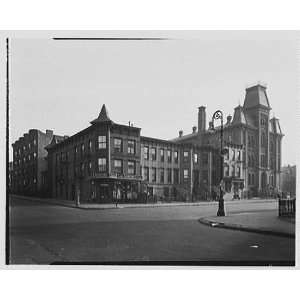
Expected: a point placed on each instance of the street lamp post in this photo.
(219, 115)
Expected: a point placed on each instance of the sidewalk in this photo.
(71, 204)
(266, 222)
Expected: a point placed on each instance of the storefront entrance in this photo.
(103, 193)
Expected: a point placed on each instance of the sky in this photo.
(158, 85)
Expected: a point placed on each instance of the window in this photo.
(153, 153)
(239, 156)
(169, 175)
(185, 156)
(162, 175)
(34, 142)
(24, 148)
(131, 167)
(205, 176)
(195, 158)
(153, 171)
(118, 166)
(90, 145)
(263, 160)
(131, 147)
(102, 164)
(233, 172)
(102, 142)
(146, 173)
(176, 157)
(118, 145)
(82, 149)
(34, 154)
(226, 170)
(166, 192)
(29, 146)
(249, 179)
(233, 154)
(29, 157)
(169, 156)
(162, 155)
(176, 176)
(263, 139)
(146, 153)
(89, 167)
(75, 152)
(82, 168)
(238, 173)
(185, 174)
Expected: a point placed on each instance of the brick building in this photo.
(100, 163)
(109, 162)
(29, 174)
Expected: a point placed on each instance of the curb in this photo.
(217, 224)
(71, 205)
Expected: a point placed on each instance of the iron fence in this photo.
(286, 207)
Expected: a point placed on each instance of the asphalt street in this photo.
(46, 234)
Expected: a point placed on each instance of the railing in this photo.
(286, 207)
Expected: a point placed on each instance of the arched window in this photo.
(263, 139)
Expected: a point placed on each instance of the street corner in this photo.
(229, 222)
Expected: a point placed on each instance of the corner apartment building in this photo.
(100, 163)
(29, 174)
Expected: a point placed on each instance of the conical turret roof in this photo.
(103, 116)
(239, 117)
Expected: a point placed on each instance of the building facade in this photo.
(110, 162)
(29, 174)
(255, 140)
(99, 164)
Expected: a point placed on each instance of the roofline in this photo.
(69, 138)
(147, 138)
(28, 134)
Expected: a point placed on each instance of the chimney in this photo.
(180, 133)
(211, 125)
(194, 129)
(49, 133)
(228, 119)
(201, 119)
